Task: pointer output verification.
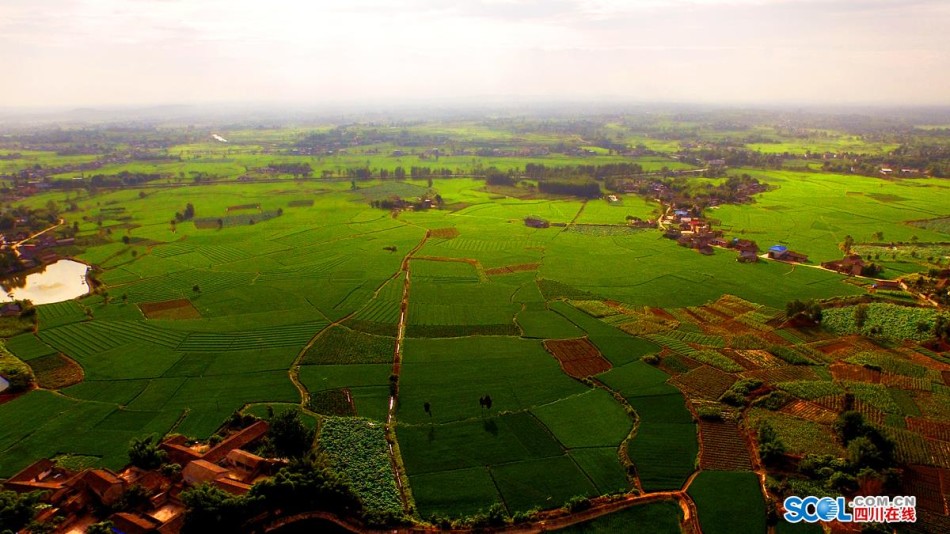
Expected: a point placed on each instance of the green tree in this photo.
(771, 448)
(289, 437)
(862, 452)
(848, 425)
(209, 509)
(860, 315)
(102, 527)
(145, 453)
(17, 509)
(847, 244)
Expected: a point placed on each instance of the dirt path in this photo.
(16, 246)
(395, 458)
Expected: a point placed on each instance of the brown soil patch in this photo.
(508, 269)
(929, 428)
(929, 485)
(723, 447)
(704, 381)
(578, 357)
(906, 382)
(762, 359)
(662, 314)
(56, 371)
(241, 207)
(444, 233)
(169, 309)
(836, 403)
(855, 373)
(831, 348)
(810, 411)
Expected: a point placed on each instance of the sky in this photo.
(89, 53)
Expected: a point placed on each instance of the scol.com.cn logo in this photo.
(813, 509)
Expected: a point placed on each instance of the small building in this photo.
(10, 310)
(534, 221)
(744, 244)
(105, 485)
(887, 284)
(747, 256)
(202, 472)
(851, 265)
(782, 253)
(134, 523)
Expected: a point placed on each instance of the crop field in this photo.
(578, 357)
(723, 447)
(729, 502)
(521, 366)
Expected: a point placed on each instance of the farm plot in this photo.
(912, 448)
(510, 269)
(456, 493)
(340, 345)
(169, 309)
(540, 323)
(697, 338)
(638, 379)
(728, 502)
(930, 428)
(591, 419)
(493, 440)
(28, 346)
(452, 374)
(603, 468)
(540, 483)
(338, 402)
(617, 346)
(810, 411)
(56, 371)
(665, 446)
(704, 381)
(357, 449)
(60, 313)
(927, 483)
(577, 357)
(723, 447)
(800, 436)
(442, 272)
(278, 336)
(788, 373)
(87, 341)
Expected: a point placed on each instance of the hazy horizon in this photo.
(83, 53)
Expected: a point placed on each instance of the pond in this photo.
(63, 280)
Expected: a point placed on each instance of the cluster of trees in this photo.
(294, 169)
(808, 309)
(186, 215)
(869, 466)
(588, 189)
(124, 178)
(539, 171)
(17, 510)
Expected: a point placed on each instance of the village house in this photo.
(782, 253)
(887, 284)
(851, 265)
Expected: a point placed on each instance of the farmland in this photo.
(457, 362)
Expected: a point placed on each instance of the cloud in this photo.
(145, 51)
